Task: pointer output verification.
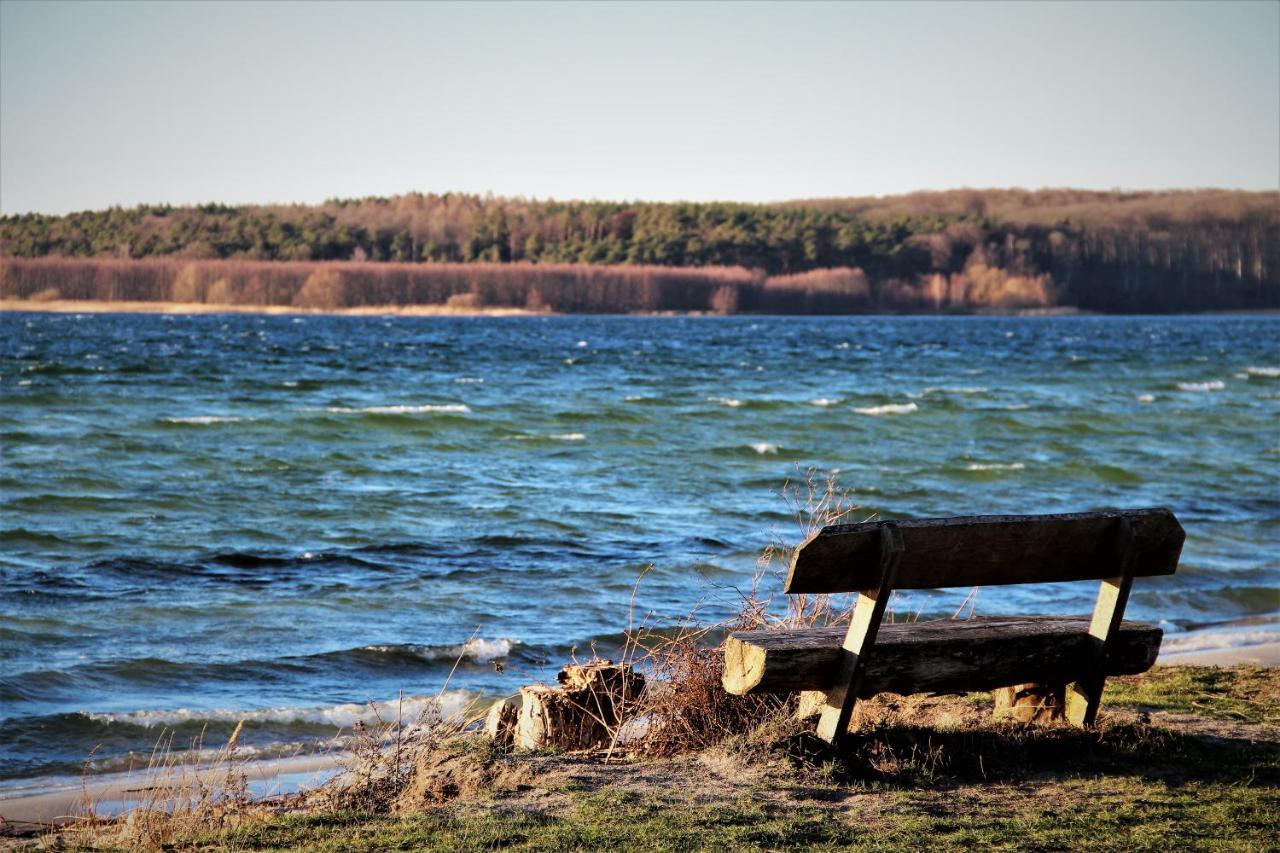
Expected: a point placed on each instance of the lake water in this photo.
(277, 519)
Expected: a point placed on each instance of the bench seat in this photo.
(948, 655)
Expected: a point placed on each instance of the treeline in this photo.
(1147, 251)
(565, 288)
(560, 288)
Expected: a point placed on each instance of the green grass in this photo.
(1104, 814)
(1249, 694)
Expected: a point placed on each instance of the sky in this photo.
(123, 103)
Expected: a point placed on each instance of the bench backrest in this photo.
(987, 549)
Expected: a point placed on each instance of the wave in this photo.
(442, 408)
(351, 664)
(1223, 642)
(206, 419)
(477, 649)
(343, 716)
(764, 447)
(57, 744)
(888, 409)
(731, 402)
(953, 389)
(1212, 385)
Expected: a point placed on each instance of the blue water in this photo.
(213, 518)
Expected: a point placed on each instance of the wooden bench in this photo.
(1070, 655)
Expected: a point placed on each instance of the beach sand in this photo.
(49, 801)
(1252, 641)
(1261, 654)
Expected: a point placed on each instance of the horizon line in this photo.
(550, 199)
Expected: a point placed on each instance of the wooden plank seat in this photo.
(874, 558)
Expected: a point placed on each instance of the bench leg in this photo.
(867, 614)
(1084, 696)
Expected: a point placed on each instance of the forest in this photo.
(960, 250)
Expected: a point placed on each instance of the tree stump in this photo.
(1030, 703)
(811, 704)
(583, 714)
(500, 723)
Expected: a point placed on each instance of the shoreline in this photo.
(93, 306)
(97, 306)
(57, 800)
(38, 802)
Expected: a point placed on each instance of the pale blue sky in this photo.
(120, 103)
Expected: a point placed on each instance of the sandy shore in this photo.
(1252, 641)
(87, 306)
(51, 801)
(1262, 654)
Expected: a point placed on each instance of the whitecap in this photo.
(1212, 385)
(1146, 398)
(952, 389)
(1268, 372)
(446, 408)
(995, 466)
(469, 380)
(725, 401)
(343, 716)
(482, 650)
(205, 419)
(568, 436)
(764, 447)
(825, 401)
(582, 343)
(478, 649)
(888, 409)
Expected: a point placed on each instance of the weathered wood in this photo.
(581, 715)
(501, 721)
(1085, 695)
(859, 639)
(983, 653)
(1030, 703)
(987, 549)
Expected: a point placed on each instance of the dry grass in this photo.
(179, 798)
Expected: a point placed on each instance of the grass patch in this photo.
(1104, 814)
(1249, 694)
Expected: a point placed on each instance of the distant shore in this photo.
(93, 306)
(97, 306)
